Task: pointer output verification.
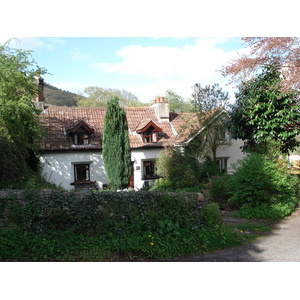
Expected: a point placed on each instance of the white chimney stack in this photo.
(161, 108)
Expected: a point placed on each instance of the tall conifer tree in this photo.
(116, 146)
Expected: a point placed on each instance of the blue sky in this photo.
(122, 44)
(146, 67)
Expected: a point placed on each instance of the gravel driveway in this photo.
(281, 245)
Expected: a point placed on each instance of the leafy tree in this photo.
(94, 96)
(116, 146)
(208, 101)
(19, 123)
(263, 112)
(266, 50)
(177, 103)
(205, 144)
(209, 97)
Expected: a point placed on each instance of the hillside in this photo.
(57, 97)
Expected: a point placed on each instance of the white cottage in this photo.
(72, 147)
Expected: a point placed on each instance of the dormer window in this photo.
(80, 133)
(148, 131)
(150, 136)
(80, 137)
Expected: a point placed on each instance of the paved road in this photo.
(281, 245)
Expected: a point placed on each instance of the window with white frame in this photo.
(149, 169)
(82, 172)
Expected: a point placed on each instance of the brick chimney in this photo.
(39, 100)
(161, 108)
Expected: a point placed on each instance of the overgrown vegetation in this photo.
(20, 129)
(104, 226)
(182, 171)
(263, 188)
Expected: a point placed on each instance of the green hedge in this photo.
(97, 226)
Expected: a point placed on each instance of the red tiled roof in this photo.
(57, 120)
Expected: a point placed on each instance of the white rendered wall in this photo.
(137, 156)
(58, 168)
(232, 152)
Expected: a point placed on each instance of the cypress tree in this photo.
(116, 146)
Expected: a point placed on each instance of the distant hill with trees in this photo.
(91, 97)
(57, 97)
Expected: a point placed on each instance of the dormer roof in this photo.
(144, 125)
(79, 124)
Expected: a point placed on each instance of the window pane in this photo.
(149, 169)
(154, 135)
(82, 172)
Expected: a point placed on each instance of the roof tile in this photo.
(57, 120)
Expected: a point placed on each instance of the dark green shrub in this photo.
(260, 182)
(178, 169)
(211, 214)
(207, 169)
(219, 188)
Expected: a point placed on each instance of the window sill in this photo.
(82, 182)
(81, 146)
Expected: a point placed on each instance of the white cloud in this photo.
(77, 55)
(32, 43)
(176, 68)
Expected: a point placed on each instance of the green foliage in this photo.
(162, 184)
(208, 169)
(219, 189)
(116, 146)
(264, 112)
(63, 226)
(213, 134)
(94, 96)
(176, 103)
(20, 129)
(274, 211)
(261, 184)
(182, 171)
(178, 168)
(211, 214)
(13, 168)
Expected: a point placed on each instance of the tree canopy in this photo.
(19, 124)
(209, 97)
(116, 146)
(177, 103)
(266, 50)
(264, 112)
(95, 96)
